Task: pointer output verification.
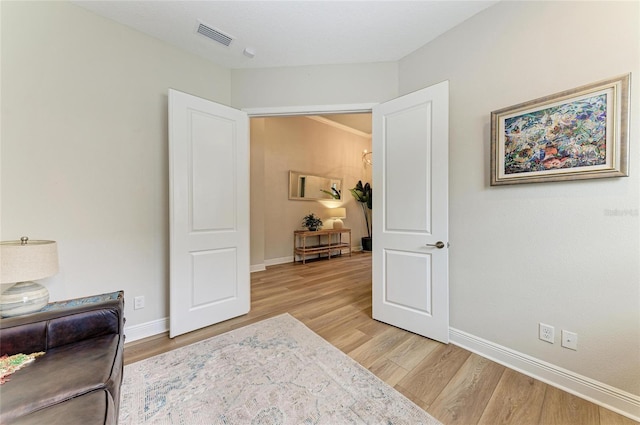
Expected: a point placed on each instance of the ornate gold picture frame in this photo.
(582, 133)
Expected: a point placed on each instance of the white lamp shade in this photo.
(338, 212)
(21, 262)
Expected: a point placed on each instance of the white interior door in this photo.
(410, 207)
(209, 212)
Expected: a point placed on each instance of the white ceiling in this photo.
(293, 33)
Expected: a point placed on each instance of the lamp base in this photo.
(337, 224)
(23, 298)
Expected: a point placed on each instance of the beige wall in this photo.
(299, 144)
(84, 146)
(541, 252)
(258, 196)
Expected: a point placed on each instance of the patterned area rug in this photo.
(273, 372)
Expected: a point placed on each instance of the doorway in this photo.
(322, 144)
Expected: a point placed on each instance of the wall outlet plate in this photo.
(138, 302)
(570, 340)
(546, 333)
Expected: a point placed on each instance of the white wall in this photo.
(84, 146)
(314, 85)
(550, 252)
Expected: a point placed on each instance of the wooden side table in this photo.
(329, 241)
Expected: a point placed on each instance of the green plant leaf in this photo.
(364, 195)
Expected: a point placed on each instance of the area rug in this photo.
(273, 372)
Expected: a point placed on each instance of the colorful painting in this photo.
(566, 136)
(577, 134)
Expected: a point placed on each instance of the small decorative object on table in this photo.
(311, 222)
(338, 214)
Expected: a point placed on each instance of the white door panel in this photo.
(213, 160)
(407, 176)
(408, 291)
(214, 276)
(209, 187)
(410, 176)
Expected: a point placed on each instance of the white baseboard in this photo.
(145, 330)
(614, 399)
(281, 260)
(257, 268)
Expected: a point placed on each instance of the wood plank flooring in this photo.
(333, 298)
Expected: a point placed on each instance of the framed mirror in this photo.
(312, 187)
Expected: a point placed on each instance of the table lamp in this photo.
(337, 214)
(20, 262)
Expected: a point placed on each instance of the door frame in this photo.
(309, 110)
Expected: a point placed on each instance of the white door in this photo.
(410, 207)
(209, 212)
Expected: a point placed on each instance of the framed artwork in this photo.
(581, 133)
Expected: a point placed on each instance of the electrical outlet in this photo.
(546, 333)
(570, 340)
(138, 302)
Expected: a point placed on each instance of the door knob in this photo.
(438, 244)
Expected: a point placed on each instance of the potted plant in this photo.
(363, 195)
(311, 222)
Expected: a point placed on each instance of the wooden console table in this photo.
(332, 242)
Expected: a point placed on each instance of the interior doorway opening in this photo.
(324, 142)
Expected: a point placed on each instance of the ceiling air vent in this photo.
(214, 34)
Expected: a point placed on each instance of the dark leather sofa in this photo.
(78, 379)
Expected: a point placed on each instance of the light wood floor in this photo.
(333, 298)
